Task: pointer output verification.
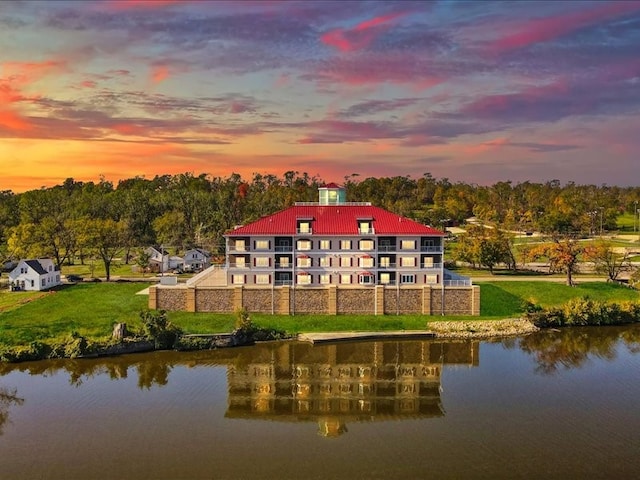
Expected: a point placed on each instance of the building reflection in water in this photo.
(344, 382)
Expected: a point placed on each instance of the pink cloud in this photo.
(360, 36)
(13, 121)
(131, 4)
(398, 68)
(159, 73)
(16, 78)
(486, 146)
(545, 29)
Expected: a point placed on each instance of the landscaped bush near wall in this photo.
(583, 312)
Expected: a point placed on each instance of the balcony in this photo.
(387, 266)
(238, 248)
(431, 266)
(431, 248)
(387, 248)
(282, 283)
(283, 266)
(284, 248)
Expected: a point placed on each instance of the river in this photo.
(545, 406)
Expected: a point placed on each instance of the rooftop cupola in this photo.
(332, 194)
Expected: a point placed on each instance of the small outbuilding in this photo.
(34, 275)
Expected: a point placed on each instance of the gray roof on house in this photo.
(35, 264)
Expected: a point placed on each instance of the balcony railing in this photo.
(238, 248)
(305, 231)
(284, 248)
(457, 283)
(387, 248)
(284, 265)
(432, 266)
(366, 231)
(282, 283)
(387, 266)
(431, 248)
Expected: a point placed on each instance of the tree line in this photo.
(77, 220)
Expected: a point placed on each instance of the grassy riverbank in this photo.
(91, 309)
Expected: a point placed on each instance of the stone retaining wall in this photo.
(425, 300)
(218, 300)
(310, 300)
(359, 300)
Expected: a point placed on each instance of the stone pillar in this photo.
(285, 296)
(426, 300)
(153, 298)
(191, 299)
(332, 307)
(379, 299)
(475, 300)
(237, 298)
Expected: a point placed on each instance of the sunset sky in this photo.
(476, 91)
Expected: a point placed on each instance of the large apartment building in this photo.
(334, 242)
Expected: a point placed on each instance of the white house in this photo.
(36, 274)
(196, 259)
(158, 259)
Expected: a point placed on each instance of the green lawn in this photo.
(91, 309)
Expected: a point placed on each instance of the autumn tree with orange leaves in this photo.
(563, 254)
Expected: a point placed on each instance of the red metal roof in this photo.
(334, 220)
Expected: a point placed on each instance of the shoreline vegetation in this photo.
(62, 323)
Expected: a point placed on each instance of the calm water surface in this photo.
(550, 405)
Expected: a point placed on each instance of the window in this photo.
(304, 261)
(237, 279)
(366, 245)
(385, 278)
(262, 279)
(262, 244)
(262, 261)
(385, 262)
(431, 279)
(428, 262)
(304, 244)
(325, 244)
(304, 227)
(303, 279)
(325, 261)
(345, 244)
(365, 279)
(283, 262)
(44, 282)
(240, 245)
(240, 262)
(407, 279)
(365, 227)
(325, 279)
(407, 261)
(408, 244)
(345, 278)
(345, 261)
(366, 262)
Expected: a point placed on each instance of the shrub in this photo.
(157, 328)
